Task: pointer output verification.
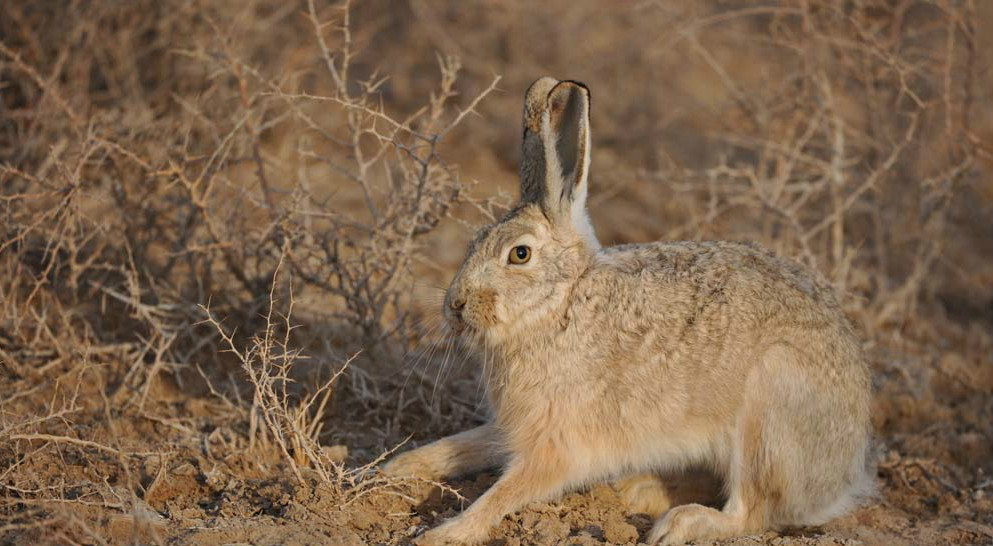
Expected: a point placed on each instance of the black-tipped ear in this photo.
(556, 148)
(569, 128)
(533, 171)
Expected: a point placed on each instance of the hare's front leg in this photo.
(463, 453)
(527, 479)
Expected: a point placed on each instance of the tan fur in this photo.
(644, 358)
(644, 494)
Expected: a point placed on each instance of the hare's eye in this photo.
(520, 254)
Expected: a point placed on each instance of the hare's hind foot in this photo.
(644, 494)
(693, 522)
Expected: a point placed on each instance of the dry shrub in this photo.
(851, 148)
(152, 168)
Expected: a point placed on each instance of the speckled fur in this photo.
(641, 358)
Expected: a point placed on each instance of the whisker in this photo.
(455, 358)
(486, 376)
(444, 364)
(481, 380)
(423, 351)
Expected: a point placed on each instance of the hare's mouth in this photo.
(455, 320)
(458, 324)
(468, 325)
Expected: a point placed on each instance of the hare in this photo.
(635, 359)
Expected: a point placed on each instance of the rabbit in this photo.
(627, 361)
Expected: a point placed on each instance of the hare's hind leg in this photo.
(746, 509)
(806, 433)
(749, 499)
(795, 455)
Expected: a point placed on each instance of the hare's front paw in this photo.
(457, 531)
(412, 464)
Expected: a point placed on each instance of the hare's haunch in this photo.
(636, 359)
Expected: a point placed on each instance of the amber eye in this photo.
(520, 254)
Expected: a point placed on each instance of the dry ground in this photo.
(225, 228)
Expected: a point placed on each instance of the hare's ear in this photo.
(556, 151)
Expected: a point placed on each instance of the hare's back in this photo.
(741, 275)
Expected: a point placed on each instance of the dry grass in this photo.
(223, 225)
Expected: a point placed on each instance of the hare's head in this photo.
(520, 270)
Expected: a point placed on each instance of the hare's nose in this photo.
(456, 304)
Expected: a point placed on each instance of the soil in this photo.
(198, 480)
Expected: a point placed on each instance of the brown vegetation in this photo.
(224, 227)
